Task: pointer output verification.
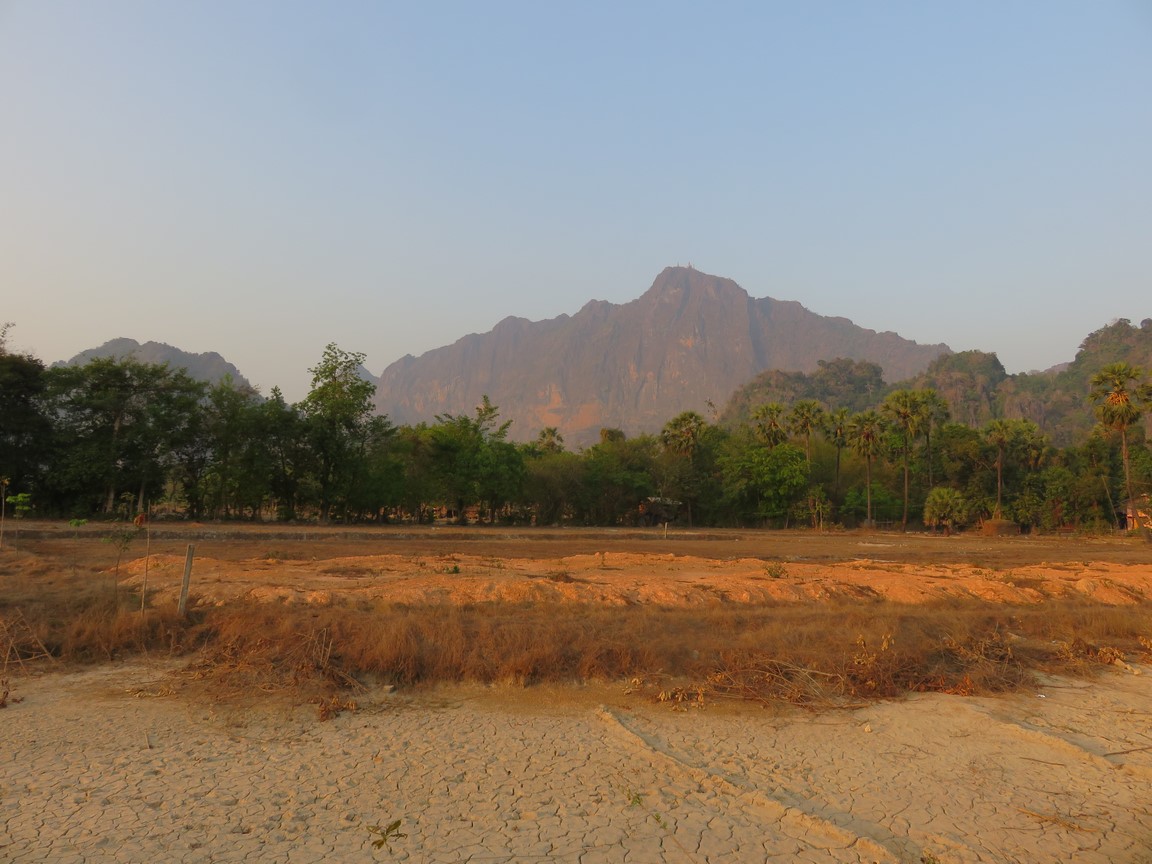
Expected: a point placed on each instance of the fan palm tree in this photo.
(866, 434)
(680, 437)
(681, 434)
(903, 408)
(836, 429)
(999, 433)
(806, 417)
(1121, 396)
(768, 421)
(934, 413)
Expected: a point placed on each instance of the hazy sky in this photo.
(262, 178)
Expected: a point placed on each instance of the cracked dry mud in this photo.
(101, 766)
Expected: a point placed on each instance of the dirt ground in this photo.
(680, 567)
(117, 763)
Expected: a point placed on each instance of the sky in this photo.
(261, 178)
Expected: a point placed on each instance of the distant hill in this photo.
(841, 383)
(973, 383)
(689, 340)
(209, 366)
(1057, 400)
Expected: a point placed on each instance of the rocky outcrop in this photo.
(690, 340)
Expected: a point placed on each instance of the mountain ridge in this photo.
(689, 340)
(207, 366)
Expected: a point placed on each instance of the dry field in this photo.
(406, 605)
(574, 695)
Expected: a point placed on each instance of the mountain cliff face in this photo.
(209, 366)
(689, 340)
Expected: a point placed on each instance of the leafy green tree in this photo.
(419, 484)
(229, 429)
(24, 427)
(473, 461)
(502, 473)
(762, 481)
(1019, 439)
(281, 429)
(117, 424)
(552, 483)
(878, 498)
(866, 435)
(619, 474)
(1120, 395)
(336, 415)
(378, 487)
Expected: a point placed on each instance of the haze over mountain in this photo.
(689, 340)
(208, 366)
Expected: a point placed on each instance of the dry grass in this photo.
(830, 653)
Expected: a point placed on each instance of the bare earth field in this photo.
(129, 761)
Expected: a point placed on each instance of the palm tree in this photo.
(768, 421)
(1121, 396)
(945, 507)
(902, 407)
(681, 438)
(934, 413)
(866, 433)
(999, 433)
(550, 440)
(681, 434)
(836, 428)
(807, 416)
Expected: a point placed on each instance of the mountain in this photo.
(210, 366)
(689, 340)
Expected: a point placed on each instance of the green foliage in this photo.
(552, 484)
(854, 385)
(1120, 396)
(775, 570)
(865, 505)
(386, 834)
(619, 473)
(945, 508)
(124, 435)
(20, 503)
(473, 462)
(770, 424)
(118, 425)
(968, 381)
(24, 426)
(336, 414)
(806, 418)
(762, 482)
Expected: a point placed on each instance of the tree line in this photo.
(117, 437)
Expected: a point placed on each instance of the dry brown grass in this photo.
(822, 654)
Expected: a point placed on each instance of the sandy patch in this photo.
(105, 766)
(621, 578)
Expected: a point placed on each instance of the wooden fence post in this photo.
(181, 608)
